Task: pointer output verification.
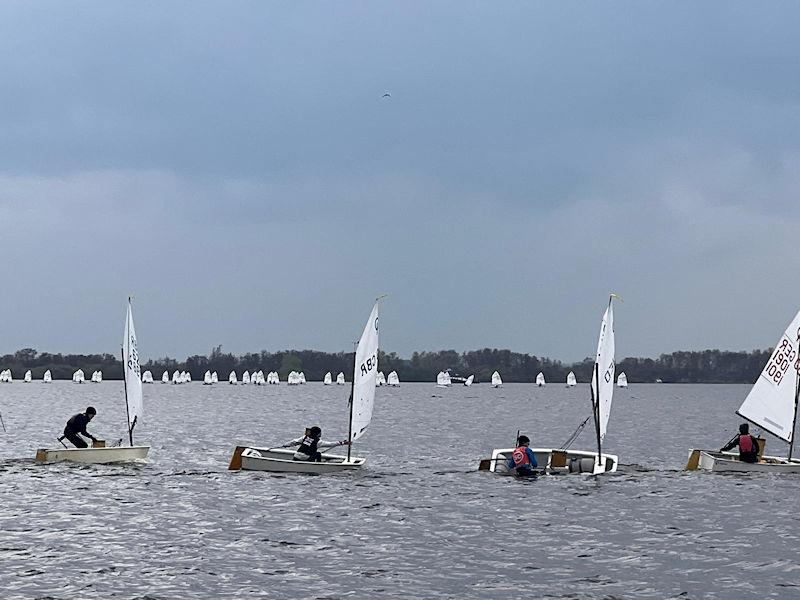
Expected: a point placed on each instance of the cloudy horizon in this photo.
(238, 169)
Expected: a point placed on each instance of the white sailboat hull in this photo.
(96, 456)
(728, 462)
(280, 461)
(554, 461)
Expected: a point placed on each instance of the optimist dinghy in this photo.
(133, 404)
(622, 380)
(562, 460)
(468, 381)
(393, 380)
(340, 379)
(770, 405)
(165, 377)
(48, 377)
(571, 381)
(28, 377)
(362, 400)
(497, 381)
(328, 379)
(540, 382)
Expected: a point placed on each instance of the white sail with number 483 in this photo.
(361, 404)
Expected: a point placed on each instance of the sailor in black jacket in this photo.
(77, 425)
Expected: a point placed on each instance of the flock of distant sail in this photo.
(443, 379)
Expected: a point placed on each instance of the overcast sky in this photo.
(236, 168)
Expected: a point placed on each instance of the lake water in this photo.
(419, 521)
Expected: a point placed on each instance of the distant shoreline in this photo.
(704, 366)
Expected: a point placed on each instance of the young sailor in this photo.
(77, 425)
(310, 444)
(748, 445)
(522, 461)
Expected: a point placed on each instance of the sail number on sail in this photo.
(369, 364)
(784, 355)
(133, 356)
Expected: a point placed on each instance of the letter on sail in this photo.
(771, 403)
(603, 380)
(366, 370)
(133, 382)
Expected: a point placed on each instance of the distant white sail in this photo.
(133, 373)
(364, 375)
(187, 376)
(48, 377)
(147, 377)
(571, 381)
(468, 381)
(441, 379)
(207, 378)
(622, 380)
(496, 379)
(301, 378)
(232, 378)
(246, 377)
(165, 377)
(293, 378)
(393, 380)
(78, 376)
(771, 402)
(260, 377)
(214, 377)
(540, 380)
(328, 379)
(603, 378)
(340, 379)
(28, 376)
(380, 379)
(176, 377)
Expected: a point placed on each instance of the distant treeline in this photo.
(706, 366)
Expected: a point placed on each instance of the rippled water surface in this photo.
(418, 521)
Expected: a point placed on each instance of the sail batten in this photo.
(771, 403)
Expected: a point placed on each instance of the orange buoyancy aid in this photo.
(520, 457)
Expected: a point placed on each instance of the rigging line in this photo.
(571, 439)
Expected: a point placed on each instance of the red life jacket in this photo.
(520, 457)
(746, 444)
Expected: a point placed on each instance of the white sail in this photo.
(380, 379)
(496, 379)
(186, 376)
(603, 378)
(340, 379)
(328, 379)
(301, 378)
(246, 377)
(147, 377)
(364, 375)
(133, 373)
(214, 377)
(540, 380)
(771, 402)
(78, 376)
(165, 377)
(48, 376)
(207, 378)
(98, 377)
(260, 377)
(28, 377)
(571, 381)
(468, 381)
(440, 380)
(293, 378)
(232, 378)
(622, 380)
(393, 380)
(176, 377)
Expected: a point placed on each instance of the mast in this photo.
(596, 411)
(352, 391)
(796, 396)
(128, 425)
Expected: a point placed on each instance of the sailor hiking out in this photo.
(311, 444)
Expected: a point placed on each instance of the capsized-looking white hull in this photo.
(728, 462)
(113, 454)
(280, 461)
(555, 461)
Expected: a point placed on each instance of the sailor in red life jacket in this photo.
(748, 445)
(523, 460)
